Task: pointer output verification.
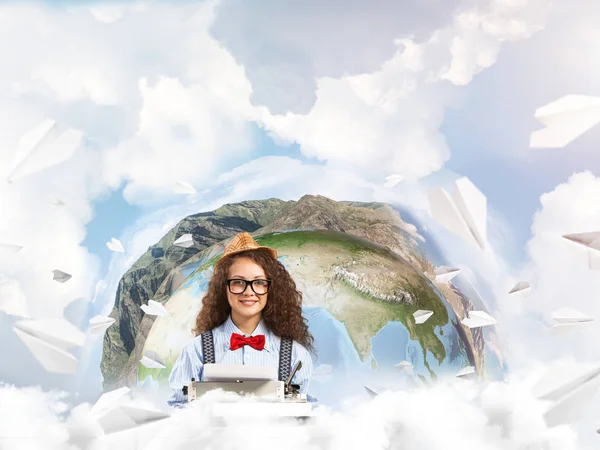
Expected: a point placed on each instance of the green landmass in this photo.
(361, 321)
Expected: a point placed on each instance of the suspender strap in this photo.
(285, 358)
(285, 353)
(208, 347)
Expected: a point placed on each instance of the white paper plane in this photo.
(567, 319)
(57, 202)
(444, 274)
(405, 366)
(422, 315)
(465, 213)
(109, 400)
(10, 248)
(569, 315)
(521, 288)
(99, 324)
(570, 387)
(114, 245)
(469, 370)
(151, 360)
(184, 188)
(392, 180)
(374, 392)
(185, 241)
(60, 276)
(154, 309)
(120, 412)
(322, 373)
(48, 340)
(322, 369)
(115, 411)
(478, 319)
(590, 240)
(565, 119)
(44, 146)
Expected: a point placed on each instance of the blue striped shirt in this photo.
(190, 362)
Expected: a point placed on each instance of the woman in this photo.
(251, 304)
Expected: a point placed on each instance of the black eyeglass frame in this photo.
(248, 282)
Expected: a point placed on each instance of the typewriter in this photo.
(280, 398)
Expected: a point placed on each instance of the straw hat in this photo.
(242, 242)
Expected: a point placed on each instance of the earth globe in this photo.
(381, 318)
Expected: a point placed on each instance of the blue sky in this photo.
(113, 214)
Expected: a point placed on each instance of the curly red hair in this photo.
(283, 312)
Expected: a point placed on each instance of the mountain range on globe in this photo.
(364, 269)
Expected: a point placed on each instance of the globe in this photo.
(360, 300)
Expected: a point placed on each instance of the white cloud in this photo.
(388, 120)
(31, 418)
(463, 415)
(560, 275)
(130, 105)
(295, 44)
(173, 104)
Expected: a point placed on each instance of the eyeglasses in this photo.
(237, 286)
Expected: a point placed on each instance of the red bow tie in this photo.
(238, 341)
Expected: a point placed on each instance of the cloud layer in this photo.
(463, 415)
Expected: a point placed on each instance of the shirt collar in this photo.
(229, 328)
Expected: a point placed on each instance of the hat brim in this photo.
(269, 250)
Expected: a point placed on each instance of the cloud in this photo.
(388, 119)
(149, 121)
(31, 418)
(464, 415)
(182, 111)
(294, 44)
(560, 275)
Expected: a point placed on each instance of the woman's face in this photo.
(248, 303)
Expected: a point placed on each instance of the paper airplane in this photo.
(322, 373)
(99, 324)
(444, 274)
(568, 318)
(42, 147)
(591, 241)
(60, 276)
(422, 315)
(151, 360)
(322, 369)
(115, 411)
(565, 119)
(478, 319)
(184, 188)
(48, 340)
(128, 416)
(10, 248)
(469, 370)
(392, 180)
(185, 241)
(570, 315)
(154, 309)
(114, 245)
(109, 400)
(405, 366)
(374, 392)
(570, 387)
(465, 213)
(522, 288)
(57, 202)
